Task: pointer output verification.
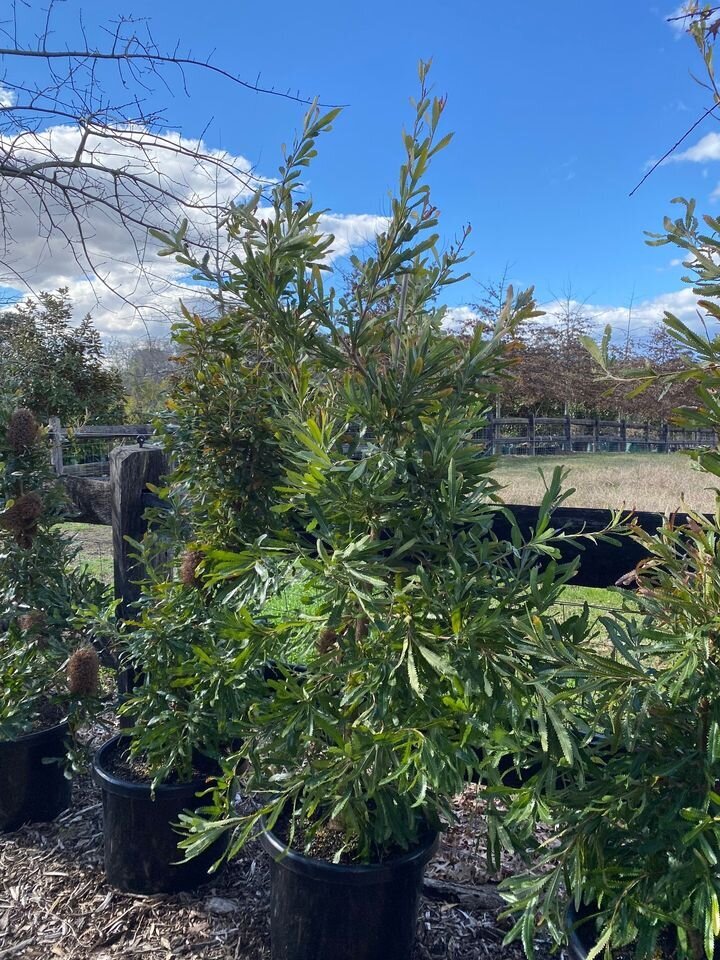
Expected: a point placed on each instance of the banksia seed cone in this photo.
(33, 621)
(82, 672)
(21, 518)
(188, 569)
(22, 430)
(326, 641)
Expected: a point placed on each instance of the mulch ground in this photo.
(54, 901)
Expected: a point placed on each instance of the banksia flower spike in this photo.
(83, 672)
(22, 430)
(21, 518)
(188, 569)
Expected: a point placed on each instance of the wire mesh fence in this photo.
(90, 457)
(85, 451)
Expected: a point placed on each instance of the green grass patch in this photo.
(94, 548)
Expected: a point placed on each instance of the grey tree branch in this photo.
(79, 158)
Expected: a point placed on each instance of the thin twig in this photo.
(702, 14)
(674, 147)
(152, 58)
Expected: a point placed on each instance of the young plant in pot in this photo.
(48, 674)
(184, 645)
(181, 715)
(636, 844)
(423, 618)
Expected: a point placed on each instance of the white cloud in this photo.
(124, 283)
(351, 230)
(456, 317)
(7, 97)
(644, 314)
(705, 150)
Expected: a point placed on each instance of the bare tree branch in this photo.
(89, 165)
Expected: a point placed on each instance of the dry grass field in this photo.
(635, 481)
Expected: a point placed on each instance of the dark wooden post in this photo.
(646, 436)
(489, 431)
(56, 451)
(568, 434)
(596, 434)
(664, 438)
(494, 435)
(131, 469)
(623, 436)
(531, 434)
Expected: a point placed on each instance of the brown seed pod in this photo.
(33, 621)
(83, 672)
(188, 569)
(21, 518)
(22, 430)
(326, 641)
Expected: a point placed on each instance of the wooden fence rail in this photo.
(133, 468)
(504, 435)
(532, 435)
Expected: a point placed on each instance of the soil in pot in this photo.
(33, 785)
(347, 911)
(141, 843)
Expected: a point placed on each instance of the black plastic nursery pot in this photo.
(33, 785)
(580, 931)
(141, 843)
(582, 935)
(326, 911)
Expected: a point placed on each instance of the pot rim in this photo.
(125, 788)
(357, 874)
(37, 736)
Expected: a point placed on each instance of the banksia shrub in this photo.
(22, 430)
(188, 569)
(21, 518)
(83, 672)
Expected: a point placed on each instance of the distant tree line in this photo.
(553, 375)
(61, 368)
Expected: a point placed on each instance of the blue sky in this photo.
(557, 108)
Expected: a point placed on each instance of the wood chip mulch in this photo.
(54, 901)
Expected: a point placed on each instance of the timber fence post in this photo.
(56, 451)
(531, 434)
(131, 469)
